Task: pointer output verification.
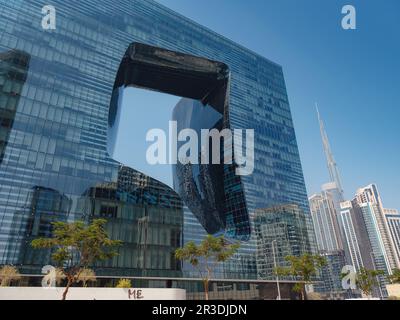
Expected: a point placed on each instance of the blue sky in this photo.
(354, 76)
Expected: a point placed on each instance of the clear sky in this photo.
(354, 75)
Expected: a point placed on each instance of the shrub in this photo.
(124, 283)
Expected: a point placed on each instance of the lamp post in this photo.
(275, 266)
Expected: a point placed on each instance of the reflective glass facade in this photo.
(212, 192)
(280, 231)
(331, 274)
(59, 98)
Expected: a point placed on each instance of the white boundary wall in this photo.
(393, 290)
(38, 293)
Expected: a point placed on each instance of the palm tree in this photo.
(8, 274)
(395, 277)
(86, 275)
(304, 267)
(367, 280)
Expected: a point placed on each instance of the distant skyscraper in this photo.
(332, 167)
(362, 225)
(391, 211)
(351, 238)
(393, 220)
(329, 240)
(333, 188)
(325, 212)
(363, 242)
(325, 222)
(369, 201)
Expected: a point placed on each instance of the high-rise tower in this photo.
(334, 187)
(60, 134)
(370, 203)
(332, 167)
(330, 232)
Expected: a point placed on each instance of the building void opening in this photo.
(141, 111)
(213, 192)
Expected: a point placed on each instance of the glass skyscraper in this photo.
(59, 106)
(280, 232)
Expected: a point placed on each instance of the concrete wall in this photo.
(393, 290)
(36, 293)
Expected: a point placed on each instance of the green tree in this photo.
(206, 256)
(367, 280)
(304, 268)
(395, 277)
(8, 274)
(124, 283)
(77, 245)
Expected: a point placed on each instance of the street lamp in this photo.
(275, 266)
